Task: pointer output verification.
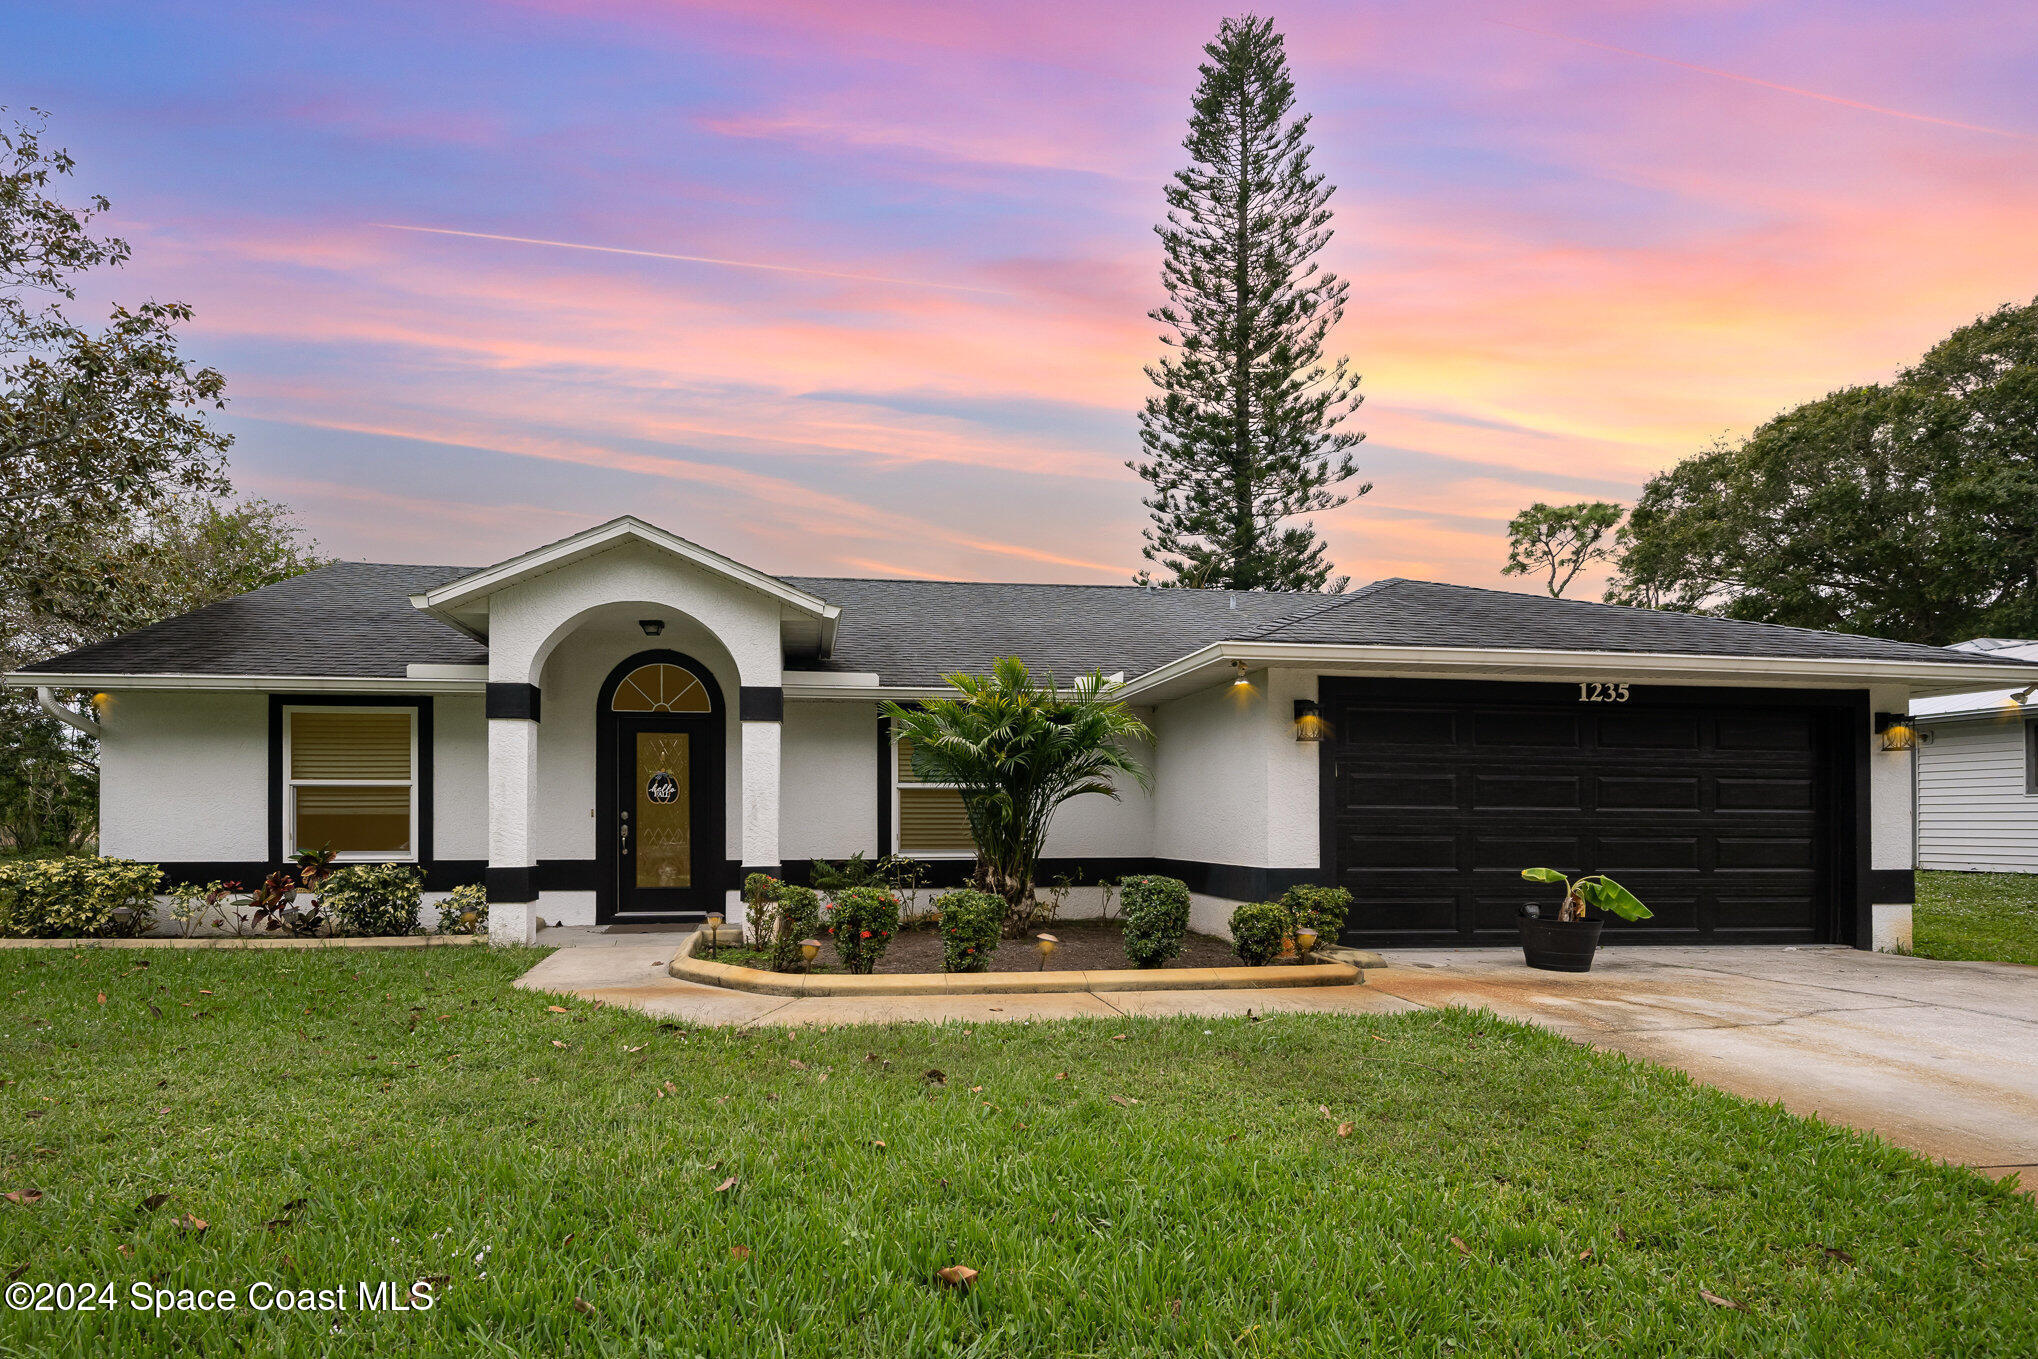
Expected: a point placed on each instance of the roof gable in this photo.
(463, 601)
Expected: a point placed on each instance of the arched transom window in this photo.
(661, 687)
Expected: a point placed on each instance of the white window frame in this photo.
(291, 783)
(898, 823)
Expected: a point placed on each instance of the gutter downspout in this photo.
(70, 717)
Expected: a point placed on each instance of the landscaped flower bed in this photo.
(1081, 945)
(1016, 969)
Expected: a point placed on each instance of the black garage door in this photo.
(1719, 810)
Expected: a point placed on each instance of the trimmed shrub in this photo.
(862, 921)
(77, 898)
(465, 910)
(374, 900)
(1322, 909)
(1257, 929)
(1156, 911)
(972, 922)
(789, 914)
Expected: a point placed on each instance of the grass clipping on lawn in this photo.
(576, 1180)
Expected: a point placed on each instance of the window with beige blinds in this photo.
(931, 821)
(350, 779)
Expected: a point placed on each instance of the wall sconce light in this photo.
(1309, 724)
(652, 626)
(1896, 731)
(2020, 698)
(1239, 679)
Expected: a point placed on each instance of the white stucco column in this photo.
(761, 751)
(1891, 830)
(512, 810)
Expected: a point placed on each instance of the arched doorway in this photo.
(660, 733)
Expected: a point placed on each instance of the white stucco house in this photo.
(1977, 772)
(618, 726)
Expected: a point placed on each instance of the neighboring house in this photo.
(1977, 772)
(620, 725)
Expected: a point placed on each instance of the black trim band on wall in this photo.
(518, 702)
(1892, 886)
(512, 884)
(760, 703)
(884, 787)
(423, 772)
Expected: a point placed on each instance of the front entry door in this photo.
(661, 733)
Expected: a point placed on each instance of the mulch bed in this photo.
(1086, 945)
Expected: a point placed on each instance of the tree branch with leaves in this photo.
(1559, 541)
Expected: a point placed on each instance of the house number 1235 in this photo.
(1602, 693)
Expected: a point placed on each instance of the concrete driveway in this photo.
(1938, 1057)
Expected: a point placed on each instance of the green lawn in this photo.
(1989, 916)
(1126, 1187)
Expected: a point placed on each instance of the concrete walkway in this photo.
(1938, 1057)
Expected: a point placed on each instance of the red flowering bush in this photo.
(972, 922)
(862, 921)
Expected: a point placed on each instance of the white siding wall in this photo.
(184, 776)
(1233, 784)
(828, 780)
(459, 777)
(1973, 812)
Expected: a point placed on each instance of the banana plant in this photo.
(1596, 890)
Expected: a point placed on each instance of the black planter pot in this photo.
(1560, 945)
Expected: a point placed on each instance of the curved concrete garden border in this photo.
(227, 941)
(687, 967)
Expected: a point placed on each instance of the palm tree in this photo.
(1016, 751)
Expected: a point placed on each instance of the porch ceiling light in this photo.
(652, 626)
(1309, 724)
(1896, 731)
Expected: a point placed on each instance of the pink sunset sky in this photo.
(872, 292)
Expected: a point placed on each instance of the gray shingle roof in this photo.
(1424, 613)
(915, 631)
(350, 618)
(355, 619)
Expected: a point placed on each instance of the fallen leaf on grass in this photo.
(1585, 1254)
(557, 1044)
(154, 1011)
(976, 1089)
(726, 1185)
(739, 1252)
(23, 1195)
(1463, 1249)
(935, 1076)
(102, 997)
(797, 1065)
(877, 1143)
(1834, 1253)
(1324, 1109)
(1124, 1101)
(151, 1203)
(1118, 1037)
(191, 1222)
(555, 1009)
(1344, 1130)
(582, 1305)
(1718, 1301)
(957, 1276)
(123, 1249)
(1061, 1075)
